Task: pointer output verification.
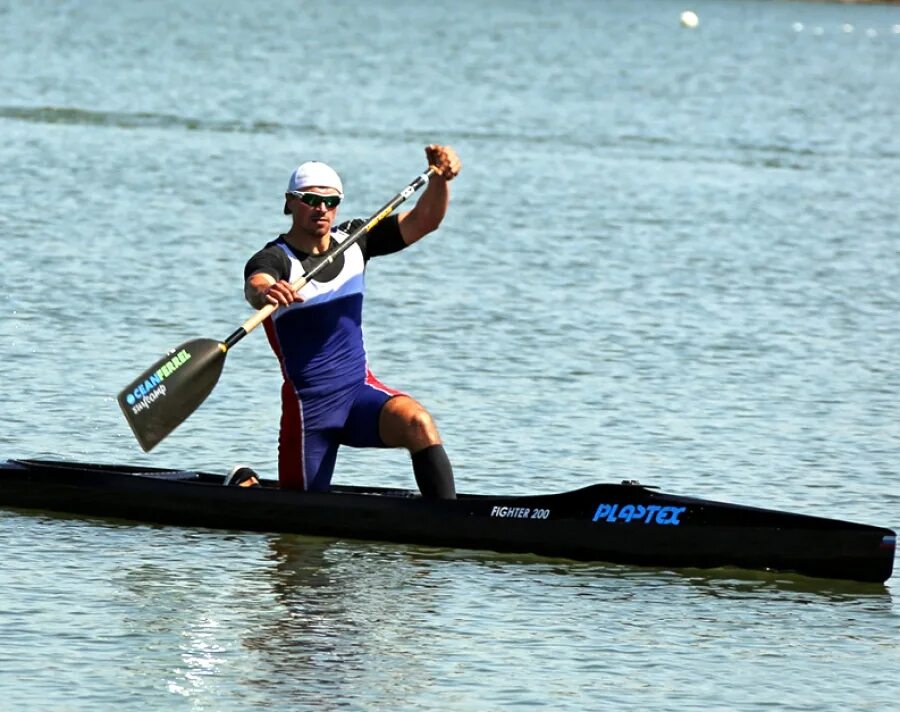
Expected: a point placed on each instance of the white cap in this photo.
(315, 174)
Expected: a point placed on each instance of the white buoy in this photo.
(847, 27)
(689, 19)
(895, 29)
(798, 27)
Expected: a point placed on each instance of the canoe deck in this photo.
(616, 523)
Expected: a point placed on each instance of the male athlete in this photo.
(329, 396)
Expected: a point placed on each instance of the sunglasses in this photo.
(314, 200)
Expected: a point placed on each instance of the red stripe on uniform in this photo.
(291, 473)
(290, 441)
(375, 383)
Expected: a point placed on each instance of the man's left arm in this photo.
(431, 207)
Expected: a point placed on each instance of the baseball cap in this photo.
(314, 174)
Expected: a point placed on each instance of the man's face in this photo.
(310, 209)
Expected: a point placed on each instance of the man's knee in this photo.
(422, 427)
(407, 424)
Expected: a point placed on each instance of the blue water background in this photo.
(671, 256)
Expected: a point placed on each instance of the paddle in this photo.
(164, 395)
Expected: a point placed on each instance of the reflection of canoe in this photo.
(621, 523)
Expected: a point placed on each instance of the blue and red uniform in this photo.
(329, 396)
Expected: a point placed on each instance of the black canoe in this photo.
(619, 523)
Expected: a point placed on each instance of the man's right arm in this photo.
(266, 274)
(256, 288)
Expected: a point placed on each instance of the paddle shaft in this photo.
(302, 281)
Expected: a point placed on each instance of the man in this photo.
(329, 396)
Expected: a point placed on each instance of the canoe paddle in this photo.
(164, 395)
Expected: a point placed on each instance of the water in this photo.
(672, 255)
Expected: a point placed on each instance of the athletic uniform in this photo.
(329, 396)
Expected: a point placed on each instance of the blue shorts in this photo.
(313, 427)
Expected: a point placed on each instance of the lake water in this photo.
(672, 255)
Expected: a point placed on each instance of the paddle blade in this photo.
(164, 395)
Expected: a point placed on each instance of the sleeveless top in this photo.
(319, 341)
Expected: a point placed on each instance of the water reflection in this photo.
(341, 613)
(237, 620)
(726, 583)
(309, 612)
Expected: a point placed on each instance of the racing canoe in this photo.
(623, 523)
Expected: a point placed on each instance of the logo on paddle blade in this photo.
(648, 514)
(152, 387)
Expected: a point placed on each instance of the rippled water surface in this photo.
(672, 255)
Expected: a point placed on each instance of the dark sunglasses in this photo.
(314, 200)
